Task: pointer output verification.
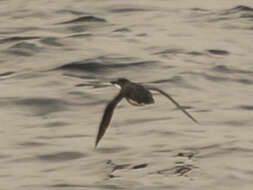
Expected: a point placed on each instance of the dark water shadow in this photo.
(196, 53)
(18, 38)
(64, 136)
(51, 41)
(241, 14)
(216, 78)
(94, 85)
(110, 187)
(67, 186)
(24, 49)
(37, 106)
(56, 124)
(61, 156)
(19, 30)
(32, 144)
(244, 81)
(145, 120)
(53, 169)
(246, 107)
(4, 156)
(110, 150)
(43, 106)
(78, 28)
(226, 69)
(236, 123)
(207, 76)
(199, 9)
(169, 52)
(102, 64)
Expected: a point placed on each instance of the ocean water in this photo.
(56, 60)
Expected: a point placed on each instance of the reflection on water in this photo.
(55, 67)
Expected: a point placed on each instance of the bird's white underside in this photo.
(134, 102)
(117, 86)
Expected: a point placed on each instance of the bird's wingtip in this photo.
(96, 143)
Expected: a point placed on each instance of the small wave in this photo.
(195, 53)
(84, 19)
(173, 51)
(238, 12)
(84, 35)
(218, 52)
(67, 185)
(231, 18)
(99, 66)
(140, 166)
(6, 74)
(128, 10)
(175, 79)
(239, 9)
(122, 30)
(244, 81)
(225, 69)
(73, 12)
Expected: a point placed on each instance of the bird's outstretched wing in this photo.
(107, 117)
(174, 101)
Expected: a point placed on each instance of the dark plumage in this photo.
(136, 94)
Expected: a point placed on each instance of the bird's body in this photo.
(137, 95)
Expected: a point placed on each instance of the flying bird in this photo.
(137, 95)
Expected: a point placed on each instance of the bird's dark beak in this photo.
(113, 82)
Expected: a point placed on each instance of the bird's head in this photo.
(120, 82)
